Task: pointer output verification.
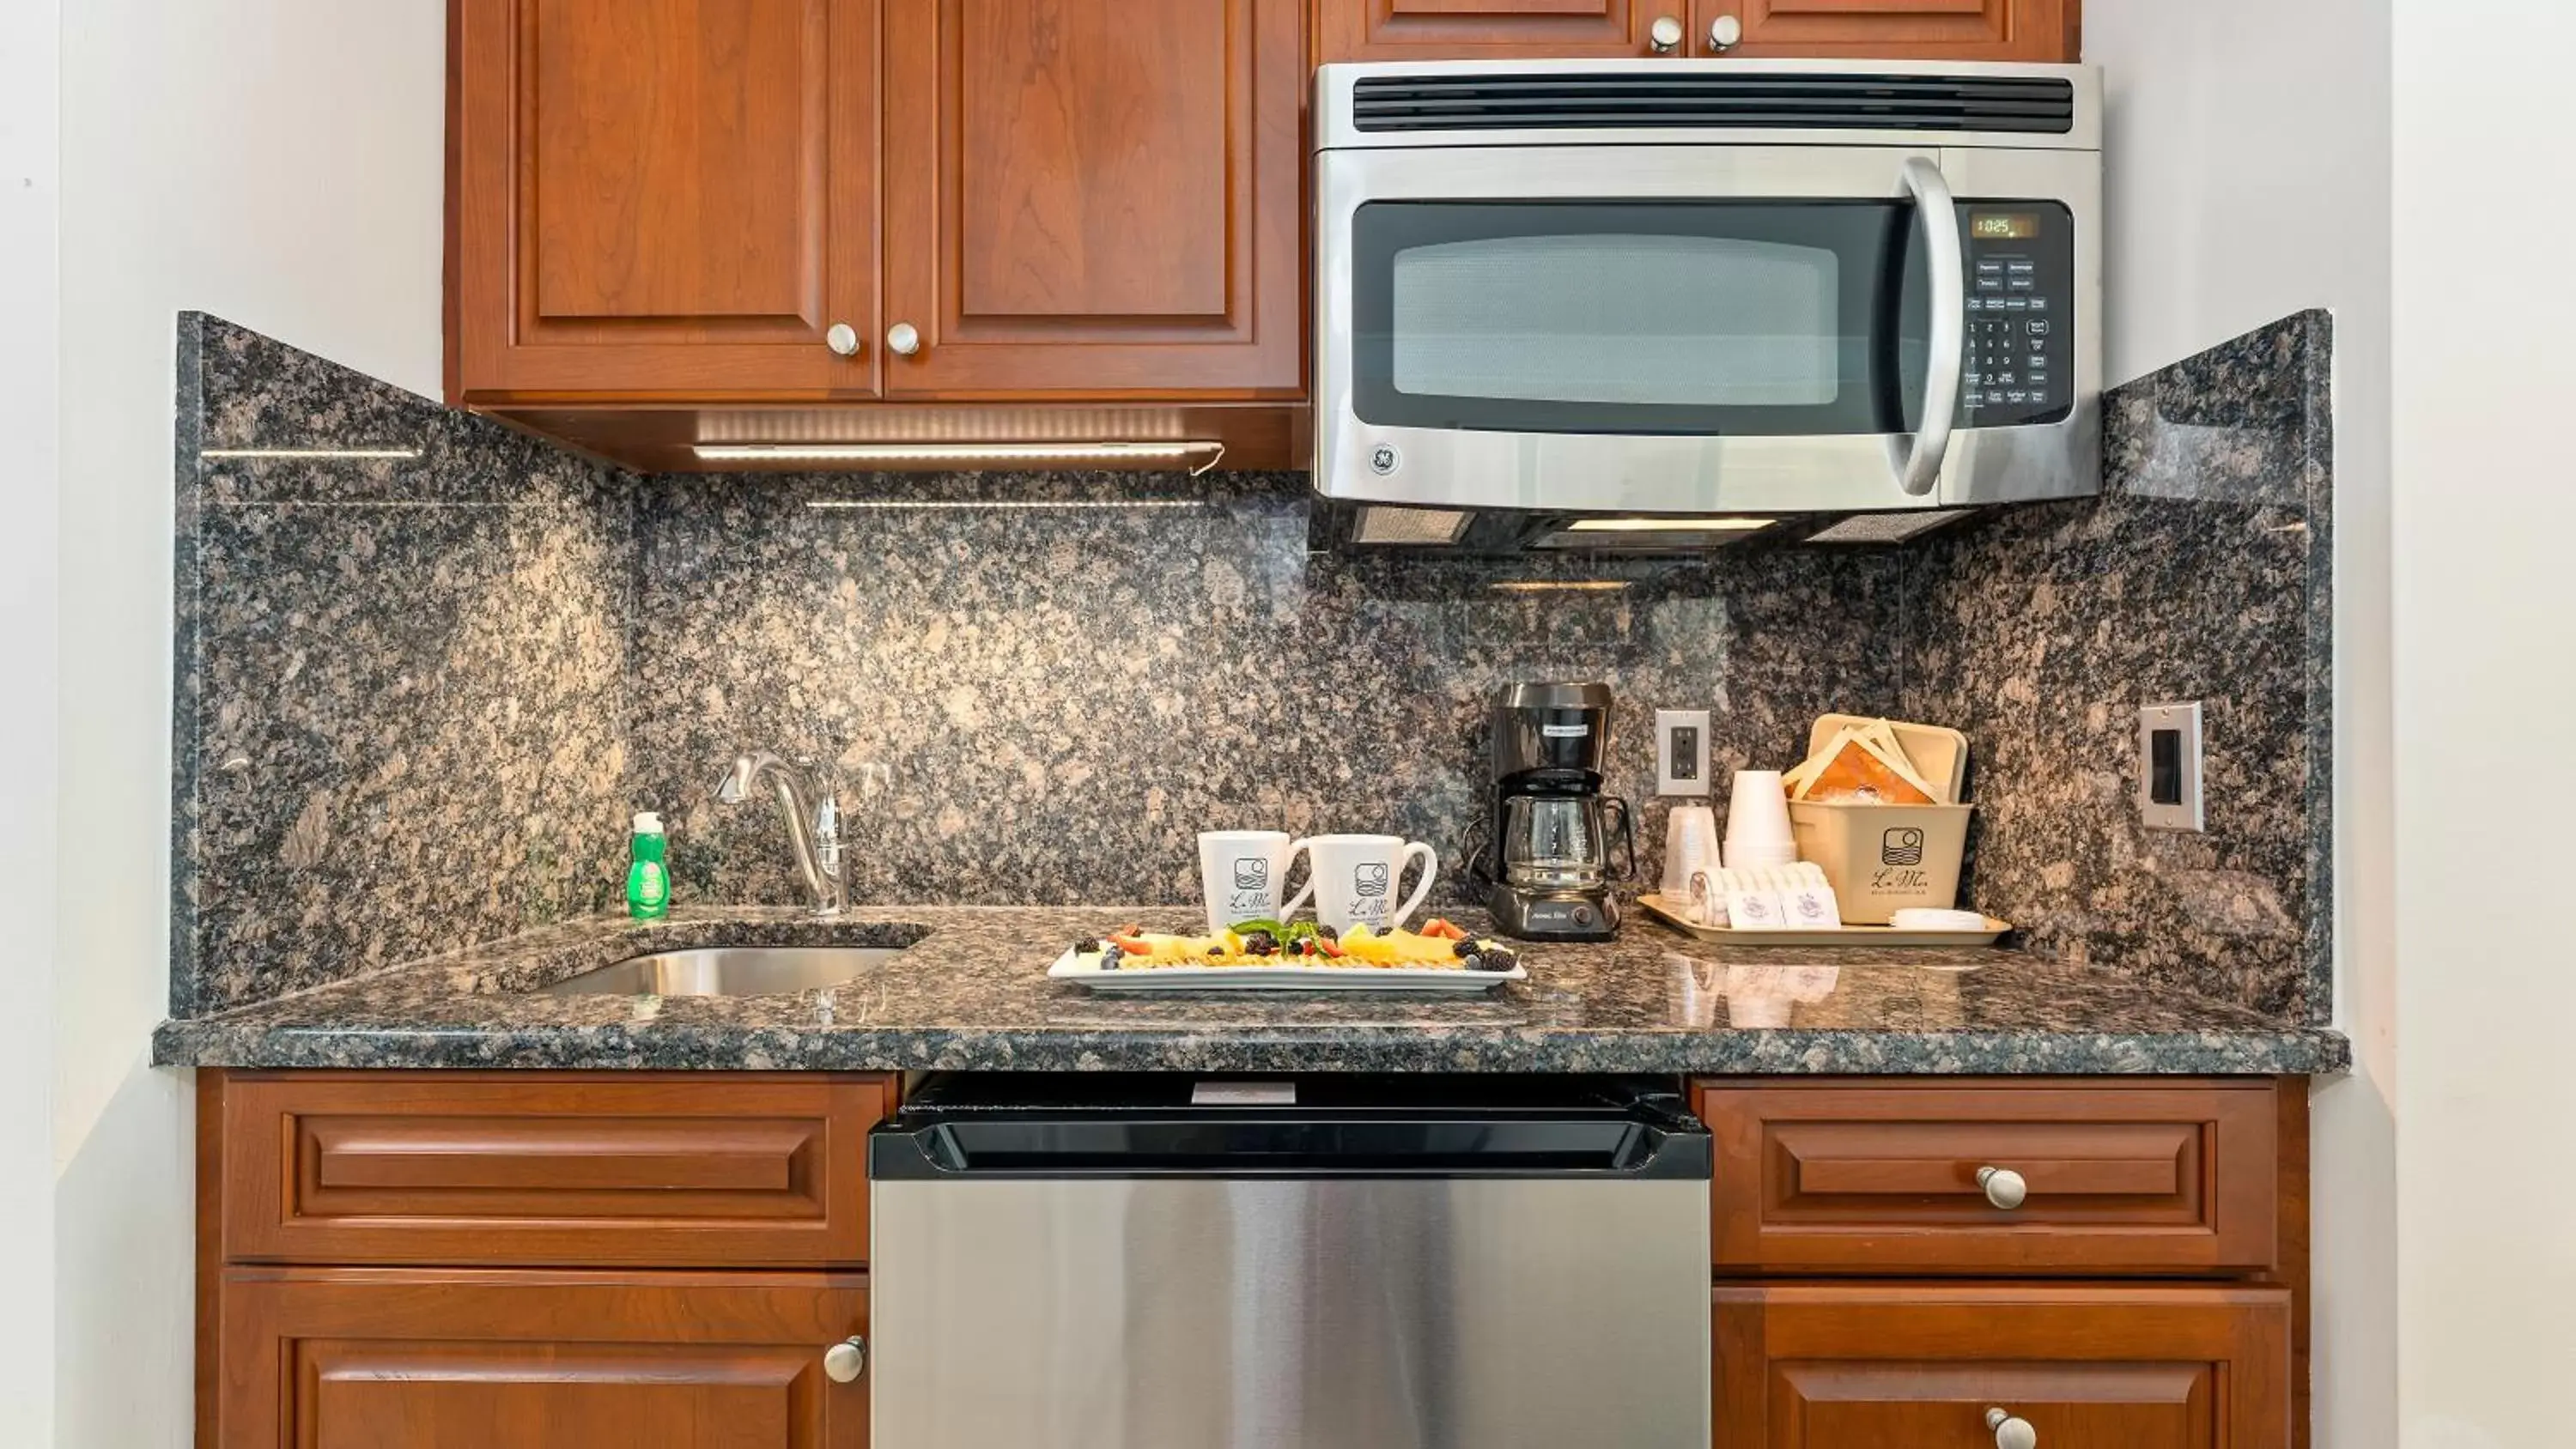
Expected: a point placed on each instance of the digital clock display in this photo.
(2003, 225)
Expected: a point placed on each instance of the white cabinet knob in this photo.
(903, 339)
(843, 339)
(1724, 34)
(843, 1362)
(1665, 35)
(2011, 1433)
(2004, 1187)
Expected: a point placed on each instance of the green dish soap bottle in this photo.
(648, 885)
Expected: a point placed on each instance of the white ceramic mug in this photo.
(1353, 879)
(1243, 874)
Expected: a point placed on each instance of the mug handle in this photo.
(1422, 888)
(1305, 892)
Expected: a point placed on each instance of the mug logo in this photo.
(1370, 879)
(1384, 459)
(1901, 847)
(1251, 874)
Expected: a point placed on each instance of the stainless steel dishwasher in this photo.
(1148, 1262)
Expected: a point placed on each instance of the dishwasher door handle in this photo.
(1196, 1145)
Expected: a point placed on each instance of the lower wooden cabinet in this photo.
(409, 1359)
(1929, 1366)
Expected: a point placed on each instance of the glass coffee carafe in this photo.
(1562, 842)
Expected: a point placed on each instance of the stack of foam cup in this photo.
(1757, 822)
(1690, 846)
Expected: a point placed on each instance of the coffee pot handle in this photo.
(1627, 834)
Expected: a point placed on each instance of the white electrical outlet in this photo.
(1681, 752)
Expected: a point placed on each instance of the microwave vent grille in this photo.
(1630, 102)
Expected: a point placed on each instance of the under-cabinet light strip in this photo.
(1667, 525)
(310, 454)
(959, 505)
(952, 452)
(1561, 586)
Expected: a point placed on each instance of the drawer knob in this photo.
(903, 339)
(2004, 1187)
(843, 339)
(1724, 34)
(843, 1362)
(2011, 1433)
(1665, 35)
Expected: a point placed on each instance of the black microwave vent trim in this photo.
(2040, 105)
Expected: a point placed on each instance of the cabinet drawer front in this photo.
(2152, 1178)
(413, 1359)
(2143, 1367)
(503, 1169)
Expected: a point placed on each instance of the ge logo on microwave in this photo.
(1384, 459)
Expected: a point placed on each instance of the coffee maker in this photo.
(1545, 864)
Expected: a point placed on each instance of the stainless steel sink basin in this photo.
(727, 971)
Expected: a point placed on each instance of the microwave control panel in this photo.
(2020, 260)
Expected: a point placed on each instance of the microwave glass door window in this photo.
(1749, 318)
(1644, 319)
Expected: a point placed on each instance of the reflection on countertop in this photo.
(971, 994)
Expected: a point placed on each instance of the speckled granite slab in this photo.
(2203, 572)
(1071, 675)
(971, 994)
(397, 720)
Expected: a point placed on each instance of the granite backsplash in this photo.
(418, 695)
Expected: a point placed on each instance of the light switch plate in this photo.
(1681, 752)
(2169, 795)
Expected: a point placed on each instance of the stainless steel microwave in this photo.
(1674, 287)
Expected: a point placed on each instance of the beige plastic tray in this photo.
(1671, 916)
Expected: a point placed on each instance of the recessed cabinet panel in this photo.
(547, 1169)
(340, 1359)
(2030, 30)
(1092, 165)
(1088, 199)
(1869, 1366)
(661, 196)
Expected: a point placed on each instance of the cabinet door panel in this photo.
(548, 1169)
(380, 1359)
(2145, 1176)
(1486, 29)
(1871, 1365)
(661, 195)
(1094, 200)
(2033, 30)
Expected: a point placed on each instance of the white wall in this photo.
(2247, 155)
(2486, 504)
(29, 135)
(276, 162)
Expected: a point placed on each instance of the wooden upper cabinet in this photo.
(661, 196)
(1091, 199)
(1487, 29)
(2028, 30)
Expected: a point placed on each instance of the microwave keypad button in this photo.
(2021, 269)
(2038, 325)
(2039, 304)
(2013, 304)
(2025, 284)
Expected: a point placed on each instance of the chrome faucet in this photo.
(813, 822)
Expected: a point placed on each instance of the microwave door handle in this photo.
(1918, 465)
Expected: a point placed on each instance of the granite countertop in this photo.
(971, 994)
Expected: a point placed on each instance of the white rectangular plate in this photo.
(1671, 915)
(1150, 981)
